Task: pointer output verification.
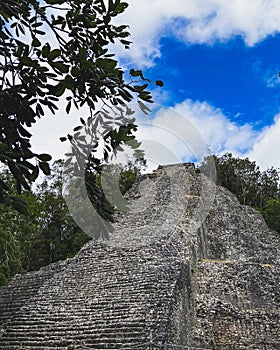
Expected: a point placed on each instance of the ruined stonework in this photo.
(187, 268)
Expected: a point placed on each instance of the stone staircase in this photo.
(23, 288)
(104, 299)
(186, 268)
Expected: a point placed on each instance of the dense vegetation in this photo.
(55, 51)
(253, 187)
(47, 233)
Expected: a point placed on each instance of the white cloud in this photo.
(46, 132)
(184, 132)
(266, 149)
(205, 21)
(187, 132)
(221, 134)
(273, 81)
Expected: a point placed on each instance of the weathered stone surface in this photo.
(239, 232)
(23, 288)
(187, 267)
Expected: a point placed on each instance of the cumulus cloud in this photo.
(222, 134)
(266, 149)
(193, 21)
(189, 130)
(185, 132)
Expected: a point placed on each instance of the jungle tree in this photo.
(52, 50)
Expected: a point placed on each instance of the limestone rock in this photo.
(188, 267)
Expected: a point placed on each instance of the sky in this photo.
(219, 61)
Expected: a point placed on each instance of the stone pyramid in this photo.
(187, 267)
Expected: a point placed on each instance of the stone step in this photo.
(95, 342)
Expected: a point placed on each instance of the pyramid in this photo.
(187, 267)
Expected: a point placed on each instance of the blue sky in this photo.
(219, 61)
(241, 81)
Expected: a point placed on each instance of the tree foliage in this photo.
(244, 178)
(10, 262)
(52, 50)
(271, 213)
(59, 236)
(48, 233)
(130, 172)
(259, 189)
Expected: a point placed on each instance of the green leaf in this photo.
(46, 50)
(140, 88)
(145, 96)
(45, 168)
(69, 82)
(75, 72)
(19, 51)
(159, 83)
(126, 43)
(44, 157)
(24, 132)
(136, 73)
(54, 54)
(39, 110)
(17, 173)
(55, 2)
(34, 174)
(82, 53)
(106, 63)
(63, 68)
(37, 24)
(120, 8)
(39, 32)
(27, 61)
(77, 128)
(111, 5)
(36, 42)
(57, 90)
(111, 64)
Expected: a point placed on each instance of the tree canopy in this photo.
(61, 49)
(259, 189)
(271, 213)
(244, 178)
(48, 233)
